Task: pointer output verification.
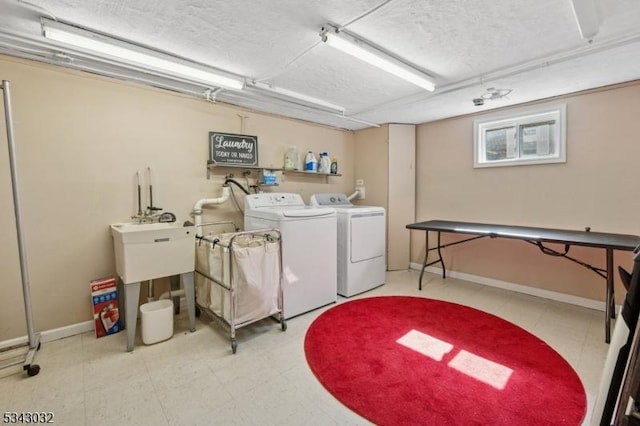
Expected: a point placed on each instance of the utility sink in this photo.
(146, 251)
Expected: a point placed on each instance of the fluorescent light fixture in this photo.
(289, 94)
(134, 55)
(368, 53)
(587, 16)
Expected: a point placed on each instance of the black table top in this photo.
(561, 236)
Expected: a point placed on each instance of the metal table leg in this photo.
(444, 270)
(426, 256)
(610, 300)
(174, 281)
(131, 296)
(190, 295)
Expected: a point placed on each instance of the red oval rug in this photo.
(399, 360)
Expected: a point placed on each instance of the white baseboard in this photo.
(519, 288)
(62, 332)
(51, 335)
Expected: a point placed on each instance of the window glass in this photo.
(530, 137)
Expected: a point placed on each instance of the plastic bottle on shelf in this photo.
(268, 177)
(292, 159)
(325, 163)
(310, 162)
(334, 166)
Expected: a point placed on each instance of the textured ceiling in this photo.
(532, 47)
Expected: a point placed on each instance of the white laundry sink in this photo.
(148, 251)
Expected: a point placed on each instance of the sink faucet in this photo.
(152, 213)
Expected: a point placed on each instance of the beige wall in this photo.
(372, 153)
(402, 194)
(596, 187)
(80, 140)
(385, 160)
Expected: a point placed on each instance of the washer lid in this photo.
(309, 211)
(354, 211)
(290, 213)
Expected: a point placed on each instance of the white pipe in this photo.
(171, 293)
(355, 195)
(197, 208)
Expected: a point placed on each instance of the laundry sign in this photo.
(230, 148)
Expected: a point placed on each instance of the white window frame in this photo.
(548, 137)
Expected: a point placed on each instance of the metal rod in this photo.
(33, 341)
(426, 256)
(444, 270)
(458, 242)
(150, 189)
(150, 291)
(139, 194)
(610, 309)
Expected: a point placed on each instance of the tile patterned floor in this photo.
(194, 379)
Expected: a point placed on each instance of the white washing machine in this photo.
(309, 258)
(361, 243)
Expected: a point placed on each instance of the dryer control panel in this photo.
(330, 200)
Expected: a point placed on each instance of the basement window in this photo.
(530, 137)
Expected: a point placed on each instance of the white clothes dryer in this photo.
(309, 259)
(361, 243)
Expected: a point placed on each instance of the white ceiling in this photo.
(532, 47)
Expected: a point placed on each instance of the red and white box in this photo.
(106, 314)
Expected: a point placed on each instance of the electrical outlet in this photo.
(361, 191)
(359, 182)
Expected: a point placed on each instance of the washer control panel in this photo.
(275, 199)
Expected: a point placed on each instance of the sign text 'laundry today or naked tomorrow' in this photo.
(233, 149)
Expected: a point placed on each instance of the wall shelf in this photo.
(305, 173)
(302, 172)
(211, 166)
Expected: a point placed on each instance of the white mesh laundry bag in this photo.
(203, 285)
(212, 260)
(256, 277)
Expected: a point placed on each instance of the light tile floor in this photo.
(194, 379)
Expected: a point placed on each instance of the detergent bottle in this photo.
(292, 159)
(310, 162)
(325, 163)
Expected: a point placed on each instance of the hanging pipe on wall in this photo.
(238, 184)
(197, 208)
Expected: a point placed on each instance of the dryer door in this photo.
(367, 236)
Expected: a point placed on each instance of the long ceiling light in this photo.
(367, 52)
(135, 55)
(587, 16)
(291, 95)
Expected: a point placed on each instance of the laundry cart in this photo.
(239, 278)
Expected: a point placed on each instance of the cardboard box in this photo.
(106, 313)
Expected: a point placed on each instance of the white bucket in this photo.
(157, 321)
